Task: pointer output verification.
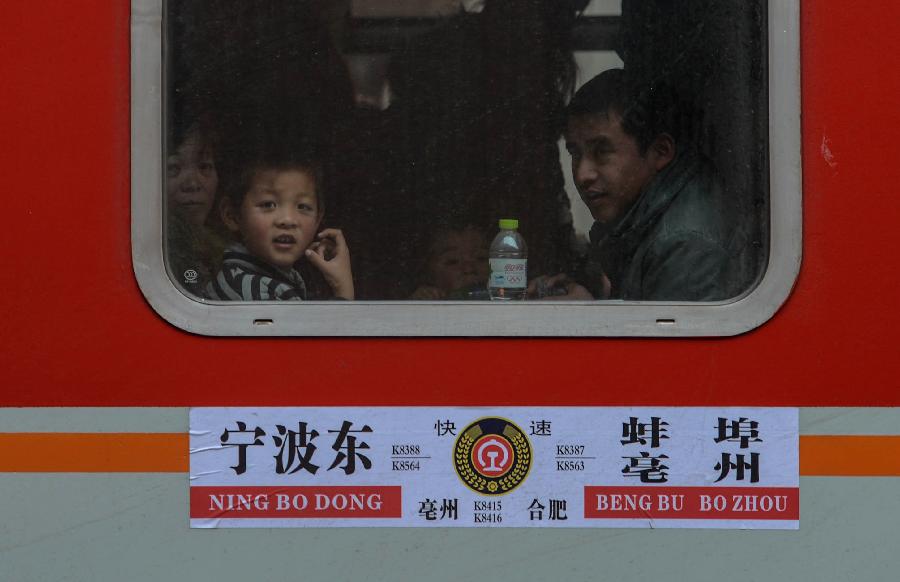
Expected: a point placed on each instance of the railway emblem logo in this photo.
(492, 456)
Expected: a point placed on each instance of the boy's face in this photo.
(279, 216)
(460, 260)
(608, 168)
(191, 180)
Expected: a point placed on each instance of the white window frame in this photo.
(464, 318)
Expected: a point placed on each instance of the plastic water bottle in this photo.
(509, 263)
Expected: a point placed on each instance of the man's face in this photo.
(607, 166)
(279, 216)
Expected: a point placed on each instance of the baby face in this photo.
(191, 180)
(459, 260)
(279, 216)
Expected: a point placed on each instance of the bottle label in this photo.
(510, 273)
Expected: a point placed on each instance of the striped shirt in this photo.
(243, 277)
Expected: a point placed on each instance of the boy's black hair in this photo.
(647, 110)
(250, 154)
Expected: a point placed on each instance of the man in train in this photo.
(662, 230)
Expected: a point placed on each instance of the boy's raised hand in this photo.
(331, 256)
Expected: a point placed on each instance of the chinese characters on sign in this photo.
(295, 448)
(519, 467)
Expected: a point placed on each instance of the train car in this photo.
(114, 357)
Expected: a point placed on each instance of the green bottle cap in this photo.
(509, 223)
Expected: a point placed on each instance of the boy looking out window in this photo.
(274, 208)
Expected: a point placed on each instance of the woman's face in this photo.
(191, 180)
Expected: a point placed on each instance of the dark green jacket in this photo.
(680, 241)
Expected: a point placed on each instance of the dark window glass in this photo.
(628, 139)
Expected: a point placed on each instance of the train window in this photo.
(466, 167)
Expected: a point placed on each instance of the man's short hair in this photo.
(646, 109)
